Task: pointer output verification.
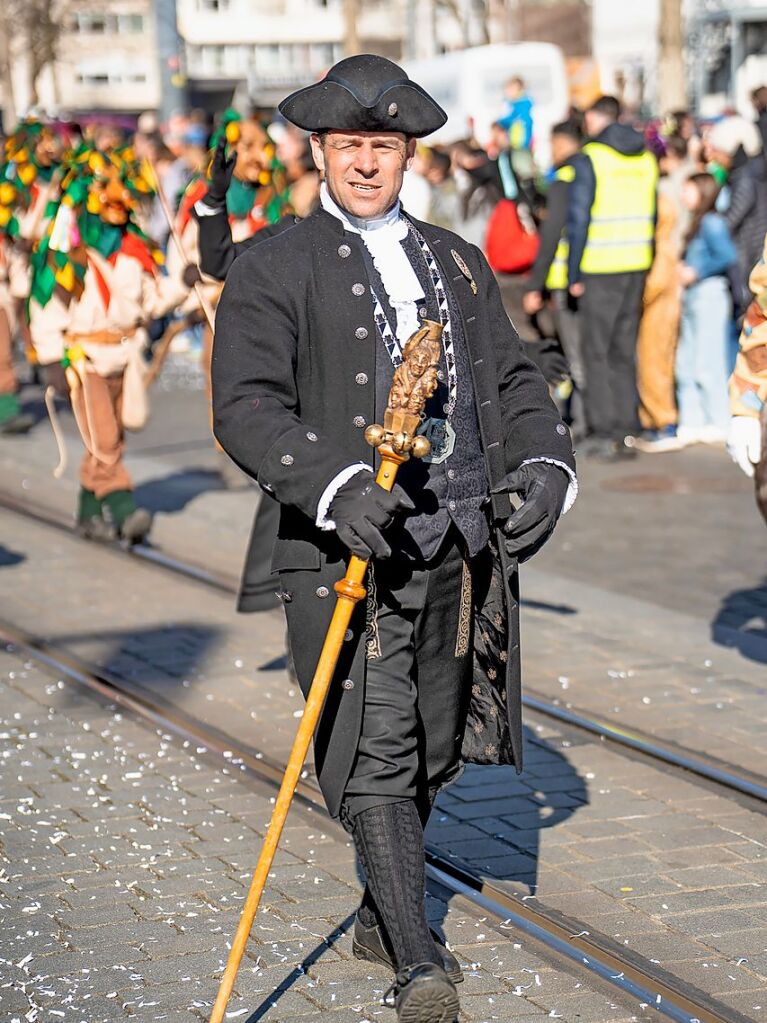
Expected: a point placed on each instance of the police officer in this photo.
(549, 273)
(610, 228)
(310, 328)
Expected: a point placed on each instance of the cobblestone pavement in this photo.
(646, 606)
(124, 861)
(654, 862)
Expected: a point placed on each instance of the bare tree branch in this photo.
(33, 30)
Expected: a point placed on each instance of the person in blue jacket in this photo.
(518, 122)
(701, 363)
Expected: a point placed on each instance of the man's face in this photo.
(563, 147)
(363, 169)
(594, 123)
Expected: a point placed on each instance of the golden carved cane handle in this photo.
(415, 380)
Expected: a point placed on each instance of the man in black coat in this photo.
(310, 328)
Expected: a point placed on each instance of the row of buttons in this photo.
(288, 459)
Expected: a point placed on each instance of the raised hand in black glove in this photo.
(361, 509)
(543, 488)
(221, 170)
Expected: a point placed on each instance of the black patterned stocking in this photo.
(389, 842)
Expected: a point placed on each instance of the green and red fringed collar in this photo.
(61, 271)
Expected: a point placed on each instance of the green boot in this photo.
(90, 521)
(131, 523)
(12, 419)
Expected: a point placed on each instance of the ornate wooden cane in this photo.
(414, 382)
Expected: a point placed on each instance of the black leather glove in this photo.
(543, 488)
(220, 176)
(361, 509)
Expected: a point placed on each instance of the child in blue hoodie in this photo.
(701, 362)
(518, 121)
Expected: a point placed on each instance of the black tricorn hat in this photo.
(364, 93)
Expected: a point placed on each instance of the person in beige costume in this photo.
(103, 333)
(15, 277)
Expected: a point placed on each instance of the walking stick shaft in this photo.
(350, 590)
(395, 441)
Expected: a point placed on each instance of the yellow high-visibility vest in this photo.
(622, 227)
(556, 279)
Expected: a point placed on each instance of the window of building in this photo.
(212, 6)
(99, 73)
(84, 78)
(86, 23)
(91, 24)
(130, 23)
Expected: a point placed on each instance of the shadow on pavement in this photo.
(492, 819)
(544, 605)
(9, 557)
(157, 658)
(741, 623)
(173, 493)
(507, 845)
(300, 971)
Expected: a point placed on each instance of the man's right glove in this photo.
(221, 170)
(744, 442)
(361, 509)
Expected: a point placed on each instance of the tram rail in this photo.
(624, 737)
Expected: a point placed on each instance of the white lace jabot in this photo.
(382, 238)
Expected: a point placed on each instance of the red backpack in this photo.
(511, 242)
(509, 246)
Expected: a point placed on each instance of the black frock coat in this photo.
(293, 375)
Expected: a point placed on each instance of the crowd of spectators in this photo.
(632, 252)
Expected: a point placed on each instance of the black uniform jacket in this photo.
(293, 390)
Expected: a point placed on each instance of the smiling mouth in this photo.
(359, 186)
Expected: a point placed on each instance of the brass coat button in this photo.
(344, 251)
(358, 289)
(348, 683)
(287, 459)
(322, 591)
(311, 436)
(361, 378)
(361, 333)
(359, 421)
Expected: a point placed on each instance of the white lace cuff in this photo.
(572, 490)
(330, 491)
(203, 210)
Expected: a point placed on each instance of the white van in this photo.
(469, 84)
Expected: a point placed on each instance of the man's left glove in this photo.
(220, 177)
(543, 488)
